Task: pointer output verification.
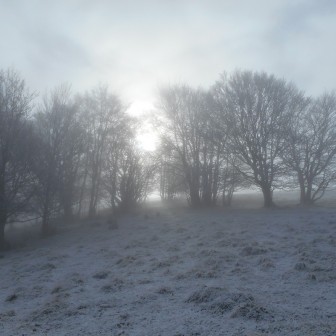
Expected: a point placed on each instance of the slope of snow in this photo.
(176, 271)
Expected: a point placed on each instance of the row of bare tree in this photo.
(64, 156)
(247, 129)
(72, 154)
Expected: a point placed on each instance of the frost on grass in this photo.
(115, 285)
(252, 311)
(165, 290)
(266, 264)
(126, 261)
(237, 305)
(101, 275)
(180, 273)
(11, 297)
(204, 295)
(301, 266)
(252, 250)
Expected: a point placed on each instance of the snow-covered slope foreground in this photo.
(177, 272)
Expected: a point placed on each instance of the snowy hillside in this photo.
(177, 272)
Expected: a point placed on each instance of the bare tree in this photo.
(171, 173)
(187, 131)
(15, 148)
(311, 146)
(255, 106)
(181, 133)
(116, 151)
(231, 178)
(71, 159)
(136, 174)
(101, 111)
(58, 154)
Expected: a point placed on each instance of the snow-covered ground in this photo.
(175, 271)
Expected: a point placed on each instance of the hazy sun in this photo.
(147, 141)
(146, 137)
(140, 107)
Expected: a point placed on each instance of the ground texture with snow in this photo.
(174, 271)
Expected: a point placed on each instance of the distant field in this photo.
(254, 199)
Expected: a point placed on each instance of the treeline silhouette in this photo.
(248, 129)
(72, 154)
(67, 156)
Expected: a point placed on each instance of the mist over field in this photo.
(167, 168)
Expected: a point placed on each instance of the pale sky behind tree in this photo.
(136, 46)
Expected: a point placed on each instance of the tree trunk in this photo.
(82, 189)
(306, 193)
(3, 213)
(308, 198)
(92, 210)
(67, 200)
(2, 236)
(45, 223)
(94, 194)
(68, 213)
(194, 199)
(303, 196)
(45, 216)
(268, 197)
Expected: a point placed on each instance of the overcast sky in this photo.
(136, 46)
